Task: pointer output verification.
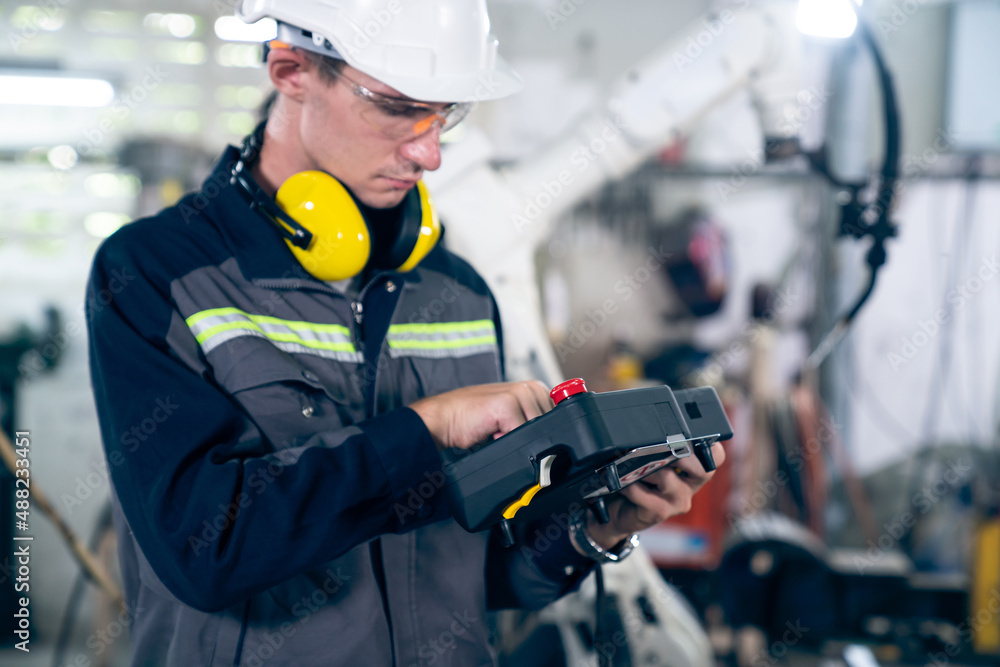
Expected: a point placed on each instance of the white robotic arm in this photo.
(497, 218)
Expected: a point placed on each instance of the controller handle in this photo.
(703, 452)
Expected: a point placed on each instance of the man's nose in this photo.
(425, 149)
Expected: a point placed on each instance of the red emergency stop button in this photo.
(564, 390)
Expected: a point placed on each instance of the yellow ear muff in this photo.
(341, 243)
(430, 230)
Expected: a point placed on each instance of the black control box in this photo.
(588, 446)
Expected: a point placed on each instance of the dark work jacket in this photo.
(276, 503)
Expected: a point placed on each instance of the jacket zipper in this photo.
(375, 546)
(358, 308)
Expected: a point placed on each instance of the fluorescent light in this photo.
(103, 224)
(176, 25)
(233, 29)
(181, 25)
(55, 91)
(63, 157)
(826, 18)
(109, 184)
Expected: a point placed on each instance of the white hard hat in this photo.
(429, 50)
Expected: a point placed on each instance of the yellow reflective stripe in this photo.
(317, 344)
(273, 328)
(266, 319)
(212, 312)
(211, 331)
(442, 327)
(442, 344)
(442, 339)
(307, 326)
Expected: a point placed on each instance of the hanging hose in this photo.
(882, 228)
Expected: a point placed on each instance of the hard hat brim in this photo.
(485, 85)
(492, 83)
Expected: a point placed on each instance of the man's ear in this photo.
(286, 68)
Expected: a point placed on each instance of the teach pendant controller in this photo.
(588, 446)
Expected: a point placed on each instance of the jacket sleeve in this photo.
(217, 525)
(543, 565)
(540, 568)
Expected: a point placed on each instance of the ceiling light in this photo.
(826, 18)
(55, 91)
(233, 29)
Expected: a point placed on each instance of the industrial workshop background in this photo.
(667, 225)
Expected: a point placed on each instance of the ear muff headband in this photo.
(323, 226)
(430, 230)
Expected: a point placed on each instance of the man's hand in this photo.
(465, 417)
(652, 500)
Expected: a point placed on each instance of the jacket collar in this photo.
(259, 249)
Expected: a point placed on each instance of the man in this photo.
(273, 438)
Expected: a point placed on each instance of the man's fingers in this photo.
(541, 393)
(533, 399)
(651, 507)
(666, 492)
(511, 412)
(691, 471)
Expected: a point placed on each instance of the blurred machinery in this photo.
(497, 217)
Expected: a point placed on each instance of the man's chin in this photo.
(383, 198)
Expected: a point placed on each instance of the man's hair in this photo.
(329, 69)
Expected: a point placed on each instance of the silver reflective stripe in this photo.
(216, 326)
(445, 339)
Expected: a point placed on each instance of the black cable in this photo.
(854, 222)
(603, 657)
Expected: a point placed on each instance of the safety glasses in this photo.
(397, 118)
